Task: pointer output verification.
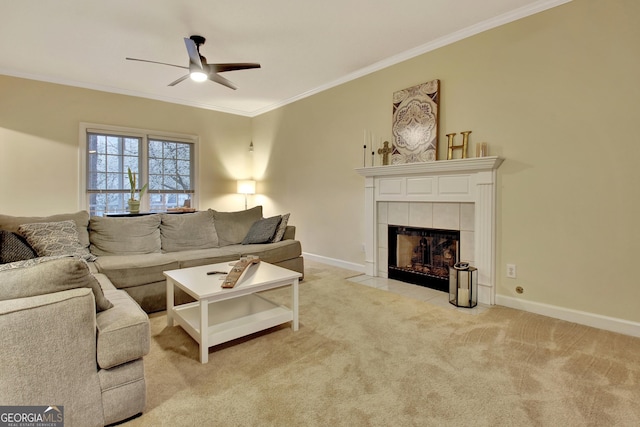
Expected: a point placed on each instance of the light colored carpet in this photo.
(367, 357)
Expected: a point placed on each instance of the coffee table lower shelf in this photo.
(232, 318)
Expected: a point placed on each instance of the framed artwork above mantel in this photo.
(415, 123)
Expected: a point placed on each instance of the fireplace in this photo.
(422, 256)
(415, 194)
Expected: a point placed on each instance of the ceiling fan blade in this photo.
(156, 62)
(219, 79)
(194, 55)
(221, 68)
(179, 80)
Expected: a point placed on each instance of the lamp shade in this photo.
(246, 187)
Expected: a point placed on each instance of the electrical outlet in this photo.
(511, 271)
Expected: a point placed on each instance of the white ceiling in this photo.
(304, 46)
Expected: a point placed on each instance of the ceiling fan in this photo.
(199, 69)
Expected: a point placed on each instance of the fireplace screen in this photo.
(422, 256)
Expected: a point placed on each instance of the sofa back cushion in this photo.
(125, 235)
(46, 275)
(232, 227)
(181, 232)
(11, 223)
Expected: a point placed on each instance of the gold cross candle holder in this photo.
(384, 152)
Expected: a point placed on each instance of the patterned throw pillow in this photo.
(55, 238)
(282, 227)
(262, 231)
(14, 247)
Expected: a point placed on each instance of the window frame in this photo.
(145, 135)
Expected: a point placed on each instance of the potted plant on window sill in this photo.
(134, 204)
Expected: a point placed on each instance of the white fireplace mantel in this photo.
(462, 180)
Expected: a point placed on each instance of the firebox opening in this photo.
(423, 256)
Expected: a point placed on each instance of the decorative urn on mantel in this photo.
(470, 180)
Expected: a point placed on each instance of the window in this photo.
(170, 173)
(165, 162)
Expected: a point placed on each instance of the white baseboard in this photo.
(335, 262)
(582, 317)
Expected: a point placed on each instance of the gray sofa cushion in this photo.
(11, 223)
(197, 257)
(104, 281)
(41, 276)
(262, 231)
(125, 236)
(232, 227)
(123, 331)
(180, 232)
(123, 391)
(270, 252)
(55, 238)
(126, 271)
(13, 247)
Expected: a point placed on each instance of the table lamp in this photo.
(245, 187)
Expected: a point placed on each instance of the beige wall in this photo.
(555, 94)
(39, 137)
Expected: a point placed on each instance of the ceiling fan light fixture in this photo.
(199, 69)
(198, 76)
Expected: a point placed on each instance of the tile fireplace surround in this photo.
(449, 194)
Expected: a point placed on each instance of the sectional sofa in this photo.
(75, 292)
(133, 252)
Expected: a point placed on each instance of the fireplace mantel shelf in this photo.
(475, 164)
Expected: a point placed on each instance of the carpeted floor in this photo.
(367, 357)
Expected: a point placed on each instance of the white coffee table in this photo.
(229, 313)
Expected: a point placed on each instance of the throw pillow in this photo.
(125, 236)
(45, 275)
(14, 247)
(55, 238)
(282, 227)
(181, 232)
(232, 227)
(262, 231)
